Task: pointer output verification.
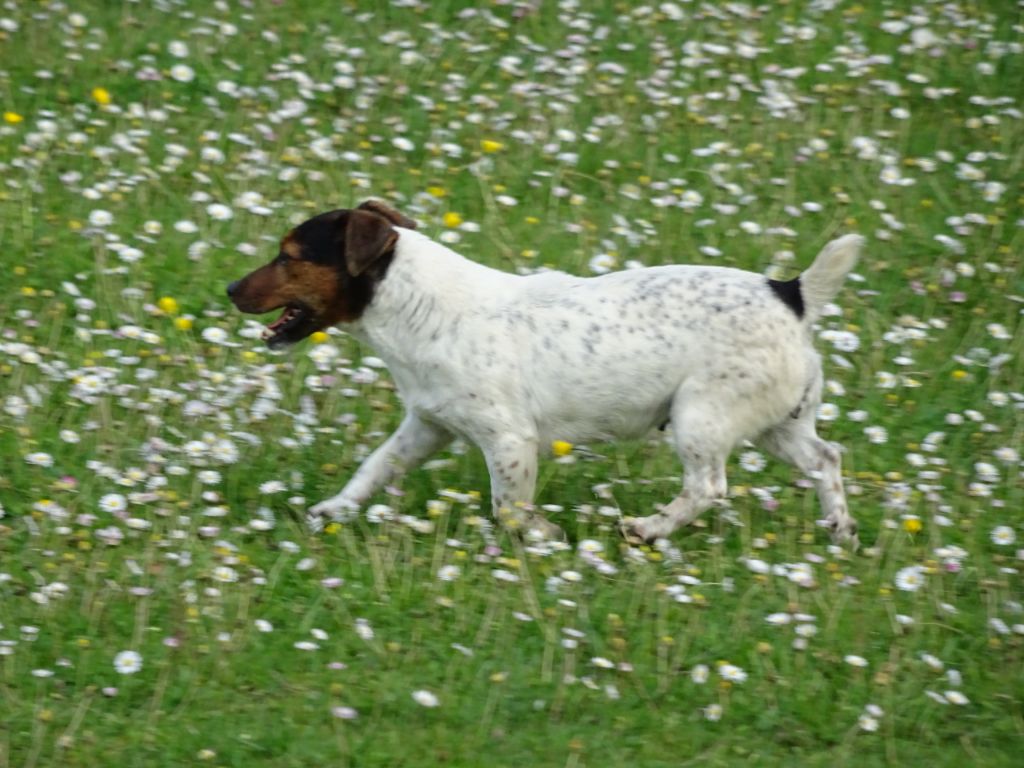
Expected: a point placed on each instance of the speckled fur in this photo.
(512, 363)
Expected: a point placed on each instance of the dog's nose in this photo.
(232, 287)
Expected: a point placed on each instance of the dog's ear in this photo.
(389, 213)
(368, 236)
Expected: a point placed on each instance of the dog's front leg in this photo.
(411, 443)
(512, 464)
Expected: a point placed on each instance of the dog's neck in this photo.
(426, 292)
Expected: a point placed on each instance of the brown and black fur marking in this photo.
(325, 271)
(389, 213)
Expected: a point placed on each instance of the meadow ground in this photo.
(161, 603)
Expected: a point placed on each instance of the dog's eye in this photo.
(282, 258)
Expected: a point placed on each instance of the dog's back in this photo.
(603, 357)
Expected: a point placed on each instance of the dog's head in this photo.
(324, 273)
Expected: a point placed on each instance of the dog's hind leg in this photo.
(797, 442)
(703, 435)
(512, 464)
(411, 444)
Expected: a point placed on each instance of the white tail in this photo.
(823, 279)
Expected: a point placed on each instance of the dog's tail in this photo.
(820, 282)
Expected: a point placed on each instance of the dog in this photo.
(512, 363)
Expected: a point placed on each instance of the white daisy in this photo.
(219, 212)
(909, 579)
(100, 218)
(867, 723)
(752, 461)
(425, 698)
(364, 630)
(39, 459)
(225, 574)
(1003, 535)
(113, 503)
(590, 546)
(732, 673)
(933, 661)
(602, 263)
(877, 434)
(128, 662)
(214, 335)
(183, 73)
(449, 572)
(828, 412)
(955, 697)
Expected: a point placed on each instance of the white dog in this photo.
(513, 363)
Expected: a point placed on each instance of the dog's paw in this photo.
(537, 528)
(339, 508)
(843, 531)
(529, 525)
(639, 530)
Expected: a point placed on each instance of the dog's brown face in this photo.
(325, 272)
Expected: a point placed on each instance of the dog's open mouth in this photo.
(291, 318)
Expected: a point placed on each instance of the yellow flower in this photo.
(959, 374)
(436, 191)
(168, 305)
(912, 525)
(452, 219)
(561, 448)
(318, 337)
(489, 145)
(183, 323)
(102, 96)
(12, 117)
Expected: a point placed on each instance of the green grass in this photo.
(598, 122)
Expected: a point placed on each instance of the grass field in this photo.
(161, 602)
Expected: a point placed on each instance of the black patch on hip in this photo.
(789, 292)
